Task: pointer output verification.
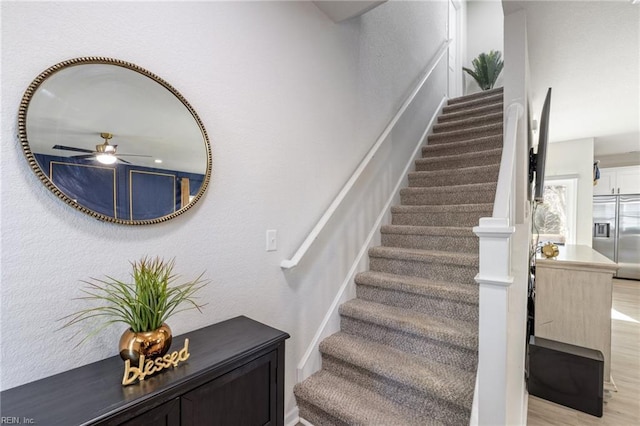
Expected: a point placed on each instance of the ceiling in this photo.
(151, 127)
(589, 53)
(342, 10)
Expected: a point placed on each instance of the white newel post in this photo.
(494, 280)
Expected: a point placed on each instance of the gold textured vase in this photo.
(151, 344)
(550, 251)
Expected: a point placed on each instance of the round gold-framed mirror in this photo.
(114, 141)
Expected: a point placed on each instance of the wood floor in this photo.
(623, 407)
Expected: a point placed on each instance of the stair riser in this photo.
(440, 219)
(422, 197)
(432, 242)
(422, 402)
(466, 135)
(476, 103)
(464, 114)
(462, 178)
(420, 303)
(427, 165)
(438, 351)
(470, 123)
(457, 148)
(316, 416)
(432, 271)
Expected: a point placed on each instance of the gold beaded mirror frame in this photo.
(114, 141)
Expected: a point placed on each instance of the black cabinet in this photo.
(240, 397)
(167, 414)
(234, 376)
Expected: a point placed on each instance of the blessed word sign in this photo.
(150, 366)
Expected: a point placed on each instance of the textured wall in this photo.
(291, 102)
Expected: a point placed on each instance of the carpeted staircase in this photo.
(407, 350)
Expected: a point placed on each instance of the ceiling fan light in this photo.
(106, 149)
(106, 158)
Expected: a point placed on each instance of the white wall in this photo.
(576, 158)
(485, 22)
(291, 102)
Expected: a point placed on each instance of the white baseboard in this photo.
(473, 420)
(311, 360)
(525, 406)
(292, 418)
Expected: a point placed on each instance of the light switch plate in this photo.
(272, 240)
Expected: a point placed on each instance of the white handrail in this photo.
(306, 244)
(502, 204)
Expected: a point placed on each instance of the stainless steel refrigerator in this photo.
(616, 231)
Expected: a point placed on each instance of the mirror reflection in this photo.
(114, 141)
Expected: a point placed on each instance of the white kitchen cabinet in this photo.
(618, 180)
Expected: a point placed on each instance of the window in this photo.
(555, 219)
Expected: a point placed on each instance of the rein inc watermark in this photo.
(7, 420)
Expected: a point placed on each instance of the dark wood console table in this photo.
(234, 376)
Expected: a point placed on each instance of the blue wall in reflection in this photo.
(122, 191)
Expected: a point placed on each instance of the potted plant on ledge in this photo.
(486, 69)
(144, 305)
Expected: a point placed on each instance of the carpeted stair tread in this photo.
(443, 382)
(469, 156)
(465, 134)
(477, 95)
(468, 187)
(477, 158)
(352, 404)
(431, 264)
(472, 103)
(470, 122)
(450, 189)
(463, 147)
(488, 168)
(450, 194)
(480, 208)
(443, 238)
(497, 106)
(466, 175)
(428, 256)
(451, 231)
(449, 331)
(440, 215)
(466, 293)
(443, 297)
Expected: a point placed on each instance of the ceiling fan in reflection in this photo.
(105, 153)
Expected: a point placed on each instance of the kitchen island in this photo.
(573, 299)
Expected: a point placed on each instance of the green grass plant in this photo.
(143, 304)
(486, 69)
